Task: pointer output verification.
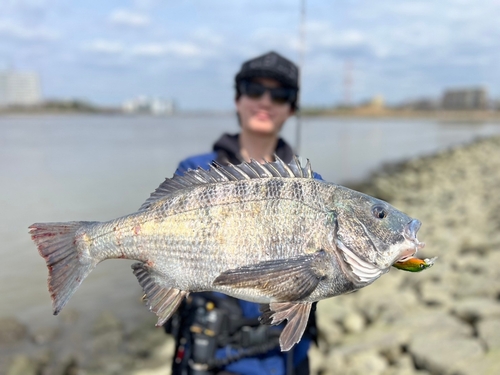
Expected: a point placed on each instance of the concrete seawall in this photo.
(445, 320)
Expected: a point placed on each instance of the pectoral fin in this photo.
(161, 300)
(282, 279)
(297, 315)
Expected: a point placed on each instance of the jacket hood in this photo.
(227, 148)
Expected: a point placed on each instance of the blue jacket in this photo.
(273, 362)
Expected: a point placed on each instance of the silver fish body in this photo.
(266, 233)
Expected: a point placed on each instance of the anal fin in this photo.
(296, 314)
(161, 300)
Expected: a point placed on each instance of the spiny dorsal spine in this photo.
(222, 173)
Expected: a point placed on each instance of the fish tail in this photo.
(57, 244)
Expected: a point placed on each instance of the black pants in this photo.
(302, 368)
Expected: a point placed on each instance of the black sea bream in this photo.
(268, 233)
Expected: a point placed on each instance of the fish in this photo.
(413, 264)
(268, 233)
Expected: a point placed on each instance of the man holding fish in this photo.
(257, 226)
(266, 96)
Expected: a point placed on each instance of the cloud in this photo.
(123, 17)
(16, 31)
(175, 49)
(207, 36)
(179, 49)
(321, 34)
(323, 38)
(105, 47)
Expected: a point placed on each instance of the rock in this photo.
(162, 370)
(489, 332)
(45, 335)
(381, 337)
(106, 343)
(69, 315)
(443, 353)
(486, 365)
(366, 363)
(335, 309)
(106, 347)
(334, 364)
(402, 366)
(165, 351)
(67, 365)
(354, 323)
(385, 299)
(424, 321)
(470, 263)
(43, 356)
(145, 339)
(329, 332)
(316, 360)
(472, 285)
(106, 322)
(475, 308)
(112, 364)
(398, 304)
(436, 294)
(22, 365)
(158, 357)
(11, 331)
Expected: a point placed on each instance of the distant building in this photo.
(376, 103)
(422, 104)
(155, 106)
(19, 88)
(472, 98)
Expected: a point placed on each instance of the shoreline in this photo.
(438, 115)
(464, 116)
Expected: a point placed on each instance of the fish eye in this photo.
(379, 212)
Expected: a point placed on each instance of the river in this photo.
(79, 167)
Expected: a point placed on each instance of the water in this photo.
(61, 168)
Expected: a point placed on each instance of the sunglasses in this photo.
(279, 95)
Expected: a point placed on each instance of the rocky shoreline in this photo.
(445, 320)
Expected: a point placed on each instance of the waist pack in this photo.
(206, 322)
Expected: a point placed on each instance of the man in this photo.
(217, 334)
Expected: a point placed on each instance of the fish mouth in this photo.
(410, 235)
(365, 272)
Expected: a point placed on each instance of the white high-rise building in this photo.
(19, 88)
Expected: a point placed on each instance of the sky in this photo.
(107, 52)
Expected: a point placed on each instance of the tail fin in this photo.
(58, 246)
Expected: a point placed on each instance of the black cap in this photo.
(270, 65)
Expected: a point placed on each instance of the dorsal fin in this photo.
(228, 173)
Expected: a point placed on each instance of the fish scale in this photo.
(237, 238)
(268, 233)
